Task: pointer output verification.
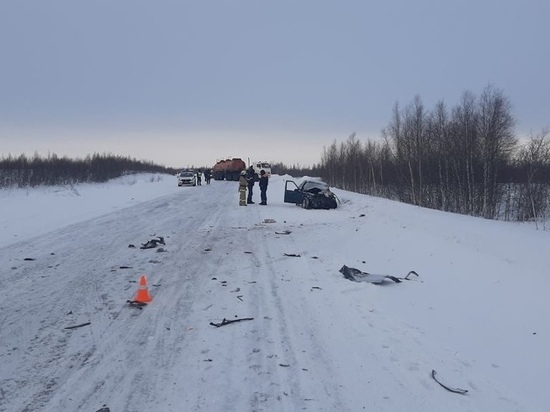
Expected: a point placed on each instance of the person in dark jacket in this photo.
(250, 178)
(263, 187)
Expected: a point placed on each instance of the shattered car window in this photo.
(314, 187)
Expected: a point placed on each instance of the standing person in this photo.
(199, 173)
(250, 178)
(263, 187)
(242, 188)
(207, 176)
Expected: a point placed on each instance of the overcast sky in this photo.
(183, 82)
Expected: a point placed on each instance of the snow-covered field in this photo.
(477, 314)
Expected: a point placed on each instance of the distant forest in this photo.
(23, 171)
(465, 159)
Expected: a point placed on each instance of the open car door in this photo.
(292, 193)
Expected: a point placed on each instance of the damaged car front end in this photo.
(310, 194)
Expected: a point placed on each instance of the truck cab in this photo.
(259, 166)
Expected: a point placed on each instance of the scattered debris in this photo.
(248, 252)
(284, 232)
(29, 259)
(284, 365)
(161, 249)
(362, 215)
(269, 221)
(227, 322)
(208, 249)
(236, 290)
(104, 409)
(153, 243)
(125, 267)
(356, 275)
(316, 287)
(292, 255)
(240, 297)
(136, 304)
(450, 389)
(78, 326)
(131, 246)
(315, 257)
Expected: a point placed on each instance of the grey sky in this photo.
(186, 82)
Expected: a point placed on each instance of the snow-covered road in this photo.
(316, 342)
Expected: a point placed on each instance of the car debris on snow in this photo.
(292, 255)
(136, 304)
(284, 232)
(153, 243)
(227, 322)
(450, 389)
(78, 326)
(356, 275)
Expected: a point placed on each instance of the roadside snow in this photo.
(477, 314)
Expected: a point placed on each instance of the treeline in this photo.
(294, 170)
(465, 159)
(23, 171)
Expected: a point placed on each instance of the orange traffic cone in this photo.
(142, 293)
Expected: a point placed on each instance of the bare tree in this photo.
(497, 140)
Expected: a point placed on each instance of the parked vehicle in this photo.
(187, 178)
(228, 169)
(311, 194)
(259, 166)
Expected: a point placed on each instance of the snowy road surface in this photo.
(317, 342)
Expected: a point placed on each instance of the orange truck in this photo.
(228, 169)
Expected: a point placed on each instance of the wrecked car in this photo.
(311, 194)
